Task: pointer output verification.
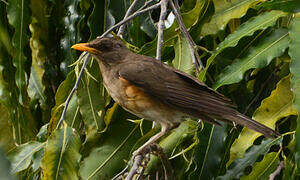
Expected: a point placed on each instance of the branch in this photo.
(137, 13)
(192, 45)
(161, 154)
(161, 26)
(137, 162)
(63, 115)
(129, 11)
(277, 171)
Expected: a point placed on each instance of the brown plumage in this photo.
(154, 91)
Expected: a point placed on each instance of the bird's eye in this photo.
(118, 45)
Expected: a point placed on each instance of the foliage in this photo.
(250, 51)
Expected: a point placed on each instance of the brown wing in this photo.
(177, 89)
(185, 93)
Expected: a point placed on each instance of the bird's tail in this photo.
(251, 124)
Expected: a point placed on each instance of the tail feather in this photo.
(252, 124)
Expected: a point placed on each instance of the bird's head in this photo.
(107, 50)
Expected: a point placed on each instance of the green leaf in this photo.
(115, 145)
(258, 57)
(283, 5)
(236, 169)
(71, 35)
(60, 97)
(91, 99)
(224, 12)
(209, 151)
(178, 136)
(183, 59)
(260, 22)
(18, 17)
(97, 25)
(61, 159)
(190, 18)
(294, 53)
(263, 169)
(272, 109)
(22, 155)
(39, 28)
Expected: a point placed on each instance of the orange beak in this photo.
(85, 47)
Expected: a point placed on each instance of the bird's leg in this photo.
(164, 130)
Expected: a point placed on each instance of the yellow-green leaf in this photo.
(183, 59)
(225, 11)
(61, 159)
(273, 108)
(262, 169)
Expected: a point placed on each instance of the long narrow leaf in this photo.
(236, 170)
(225, 11)
(260, 22)
(18, 17)
(294, 52)
(61, 159)
(272, 109)
(258, 57)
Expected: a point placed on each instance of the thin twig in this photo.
(129, 11)
(137, 13)
(136, 164)
(161, 27)
(277, 171)
(121, 173)
(63, 115)
(192, 45)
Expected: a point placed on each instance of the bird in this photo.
(150, 89)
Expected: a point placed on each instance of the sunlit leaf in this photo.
(272, 109)
(61, 159)
(225, 11)
(236, 169)
(183, 60)
(262, 169)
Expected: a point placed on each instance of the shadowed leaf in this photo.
(22, 156)
(258, 57)
(260, 22)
